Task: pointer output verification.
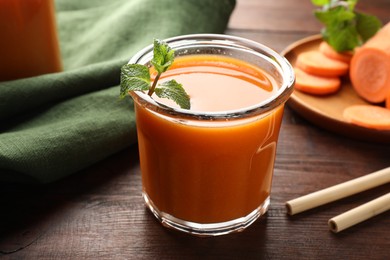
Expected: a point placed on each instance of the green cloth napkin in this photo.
(57, 124)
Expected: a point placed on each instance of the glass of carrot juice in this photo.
(208, 170)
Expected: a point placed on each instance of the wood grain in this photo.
(99, 213)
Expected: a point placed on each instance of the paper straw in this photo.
(338, 191)
(359, 214)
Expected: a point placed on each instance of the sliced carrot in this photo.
(387, 103)
(316, 85)
(370, 67)
(328, 51)
(316, 63)
(369, 116)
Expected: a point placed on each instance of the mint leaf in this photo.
(163, 56)
(320, 2)
(326, 4)
(339, 31)
(174, 91)
(134, 77)
(337, 15)
(344, 28)
(324, 17)
(367, 25)
(352, 4)
(342, 39)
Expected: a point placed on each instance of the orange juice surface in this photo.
(28, 44)
(212, 172)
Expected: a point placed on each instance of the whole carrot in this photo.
(370, 67)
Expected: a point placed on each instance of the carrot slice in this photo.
(328, 51)
(370, 67)
(316, 63)
(315, 85)
(369, 116)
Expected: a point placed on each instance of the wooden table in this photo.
(99, 213)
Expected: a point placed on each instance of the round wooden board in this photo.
(327, 111)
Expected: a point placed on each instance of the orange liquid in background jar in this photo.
(217, 172)
(29, 44)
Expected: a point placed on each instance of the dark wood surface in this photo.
(99, 213)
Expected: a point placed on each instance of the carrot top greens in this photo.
(344, 27)
(136, 77)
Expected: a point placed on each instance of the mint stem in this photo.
(151, 90)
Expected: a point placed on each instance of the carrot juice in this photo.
(208, 170)
(29, 44)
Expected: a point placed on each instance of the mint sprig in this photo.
(136, 77)
(344, 27)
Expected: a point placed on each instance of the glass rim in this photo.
(281, 63)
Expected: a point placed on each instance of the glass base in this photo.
(212, 229)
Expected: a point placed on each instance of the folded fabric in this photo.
(56, 124)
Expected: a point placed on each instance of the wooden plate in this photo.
(327, 112)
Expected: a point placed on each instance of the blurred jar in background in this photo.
(28, 39)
